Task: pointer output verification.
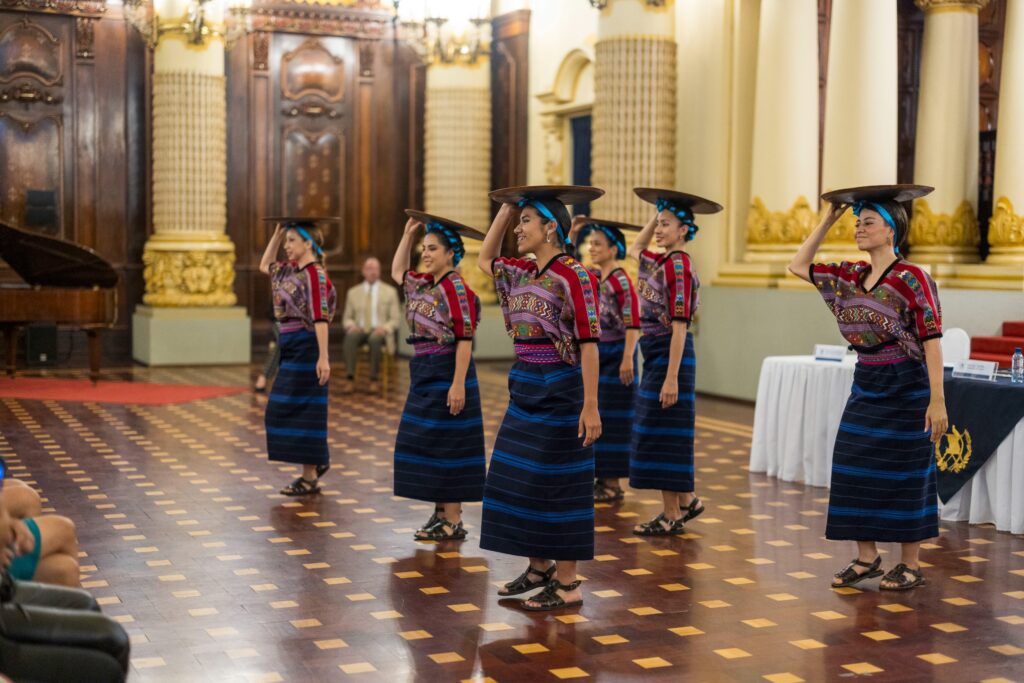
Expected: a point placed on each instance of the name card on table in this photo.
(829, 352)
(976, 369)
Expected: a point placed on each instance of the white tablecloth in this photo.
(800, 402)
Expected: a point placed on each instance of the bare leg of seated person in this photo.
(21, 500)
(58, 556)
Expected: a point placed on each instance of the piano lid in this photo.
(51, 262)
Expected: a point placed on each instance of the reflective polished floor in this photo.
(186, 542)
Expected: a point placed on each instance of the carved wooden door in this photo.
(313, 127)
(36, 151)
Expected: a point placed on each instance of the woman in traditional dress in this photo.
(304, 303)
(620, 332)
(662, 456)
(439, 450)
(883, 468)
(539, 496)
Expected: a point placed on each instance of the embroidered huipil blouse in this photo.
(620, 309)
(302, 296)
(668, 290)
(558, 302)
(901, 309)
(444, 311)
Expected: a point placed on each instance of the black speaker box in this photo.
(41, 344)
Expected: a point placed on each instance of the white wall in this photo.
(557, 27)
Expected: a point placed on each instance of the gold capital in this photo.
(937, 6)
(930, 229)
(779, 227)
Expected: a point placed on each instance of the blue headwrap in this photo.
(453, 239)
(613, 239)
(683, 214)
(306, 236)
(546, 213)
(886, 216)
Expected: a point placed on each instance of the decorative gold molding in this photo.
(649, 5)
(189, 274)
(951, 5)
(930, 229)
(939, 6)
(766, 227)
(1006, 228)
(842, 230)
(91, 8)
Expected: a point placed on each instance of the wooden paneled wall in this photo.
(325, 116)
(322, 124)
(73, 121)
(509, 99)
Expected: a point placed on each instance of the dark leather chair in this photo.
(54, 634)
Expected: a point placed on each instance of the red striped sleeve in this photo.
(678, 285)
(582, 297)
(318, 300)
(461, 306)
(922, 294)
(629, 305)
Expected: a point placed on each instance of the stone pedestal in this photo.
(191, 335)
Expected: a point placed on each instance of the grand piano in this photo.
(64, 283)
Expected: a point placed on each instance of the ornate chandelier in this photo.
(445, 31)
(197, 21)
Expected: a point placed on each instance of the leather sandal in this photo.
(656, 528)
(607, 494)
(903, 577)
(850, 576)
(694, 509)
(522, 584)
(301, 487)
(443, 530)
(549, 599)
(435, 517)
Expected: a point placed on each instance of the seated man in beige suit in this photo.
(371, 317)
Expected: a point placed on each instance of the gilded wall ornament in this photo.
(930, 229)
(1005, 228)
(780, 227)
(951, 5)
(189, 278)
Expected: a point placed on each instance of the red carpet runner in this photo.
(42, 389)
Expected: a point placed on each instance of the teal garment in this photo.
(23, 567)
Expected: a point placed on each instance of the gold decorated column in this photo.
(1005, 264)
(944, 225)
(458, 154)
(634, 116)
(189, 260)
(188, 314)
(861, 108)
(784, 173)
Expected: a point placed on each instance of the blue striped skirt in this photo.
(539, 496)
(615, 401)
(296, 418)
(439, 457)
(883, 465)
(663, 439)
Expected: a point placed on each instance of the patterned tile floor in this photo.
(218, 578)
